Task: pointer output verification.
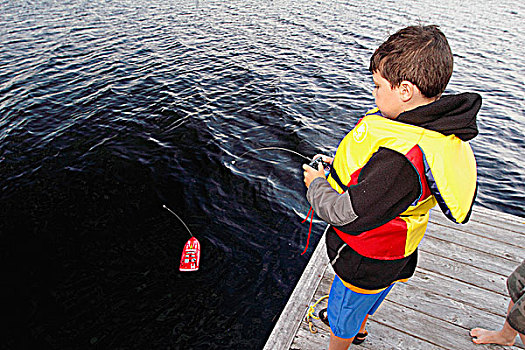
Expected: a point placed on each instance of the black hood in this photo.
(451, 114)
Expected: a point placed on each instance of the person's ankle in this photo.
(508, 335)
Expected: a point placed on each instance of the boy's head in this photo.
(417, 55)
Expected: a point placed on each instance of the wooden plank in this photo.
(381, 337)
(446, 309)
(440, 307)
(289, 321)
(458, 291)
(506, 231)
(484, 231)
(509, 251)
(423, 304)
(497, 218)
(464, 273)
(464, 270)
(467, 256)
(304, 340)
(422, 326)
(428, 301)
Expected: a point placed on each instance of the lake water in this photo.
(110, 109)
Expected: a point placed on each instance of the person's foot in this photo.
(360, 337)
(484, 336)
(323, 316)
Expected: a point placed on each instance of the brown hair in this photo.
(419, 54)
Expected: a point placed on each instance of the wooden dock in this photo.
(459, 284)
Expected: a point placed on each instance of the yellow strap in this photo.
(310, 314)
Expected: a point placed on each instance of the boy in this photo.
(402, 158)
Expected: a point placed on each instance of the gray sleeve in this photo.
(334, 208)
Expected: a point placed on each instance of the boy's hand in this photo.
(310, 173)
(327, 159)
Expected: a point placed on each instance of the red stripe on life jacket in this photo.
(354, 177)
(386, 242)
(415, 156)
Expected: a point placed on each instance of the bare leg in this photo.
(505, 336)
(337, 343)
(363, 325)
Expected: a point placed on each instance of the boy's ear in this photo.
(406, 90)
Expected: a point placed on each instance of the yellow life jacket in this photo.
(447, 171)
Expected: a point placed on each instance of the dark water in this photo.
(109, 109)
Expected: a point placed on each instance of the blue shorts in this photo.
(347, 309)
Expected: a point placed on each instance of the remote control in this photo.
(315, 163)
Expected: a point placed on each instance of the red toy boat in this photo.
(191, 255)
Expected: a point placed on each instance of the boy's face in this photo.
(387, 99)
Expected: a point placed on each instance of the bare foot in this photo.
(484, 336)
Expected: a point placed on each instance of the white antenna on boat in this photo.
(171, 211)
(275, 148)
